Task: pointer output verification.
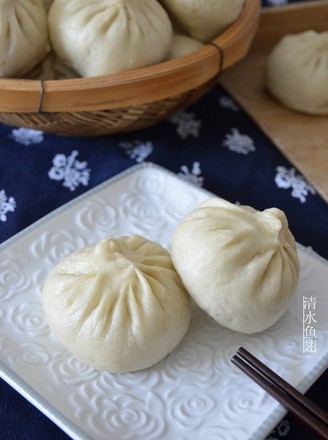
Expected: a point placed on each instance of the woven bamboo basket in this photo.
(129, 100)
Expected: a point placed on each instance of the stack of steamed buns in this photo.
(124, 303)
(58, 39)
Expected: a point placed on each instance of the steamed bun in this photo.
(109, 36)
(204, 19)
(183, 45)
(47, 4)
(239, 265)
(297, 72)
(51, 68)
(23, 36)
(118, 305)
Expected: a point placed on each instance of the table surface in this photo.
(300, 137)
(214, 144)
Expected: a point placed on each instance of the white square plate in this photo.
(195, 393)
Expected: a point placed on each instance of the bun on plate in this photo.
(240, 265)
(118, 305)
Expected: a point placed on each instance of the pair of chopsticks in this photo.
(298, 404)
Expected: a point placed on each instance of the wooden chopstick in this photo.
(298, 404)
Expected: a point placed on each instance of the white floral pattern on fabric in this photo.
(281, 430)
(228, 103)
(27, 136)
(186, 124)
(137, 150)
(7, 204)
(193, 175)
(70, 170)
(288, 178)
(239, 143)
(277, 2)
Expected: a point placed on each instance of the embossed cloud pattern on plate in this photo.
(195, 392)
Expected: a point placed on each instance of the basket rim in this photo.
(138, 86)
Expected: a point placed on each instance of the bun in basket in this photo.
(109, 36)
(182, 45)
(23, 36)
(204, 19)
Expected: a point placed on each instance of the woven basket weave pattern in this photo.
(104, 122)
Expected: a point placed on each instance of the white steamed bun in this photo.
(183, 45)
(47, 4)
(109, 36)
(118, 305)
(204, 19)
(51, 68)
(297, 72)
(23, 36)
(238, 264)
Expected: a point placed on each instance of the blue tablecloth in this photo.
(213, 143)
